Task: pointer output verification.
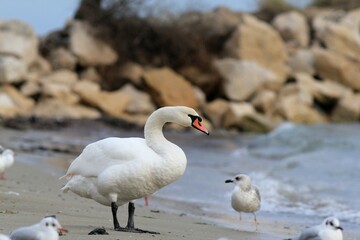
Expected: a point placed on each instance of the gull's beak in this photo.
(340, 228)
(62, 230)
(229, 181)
(196, 124)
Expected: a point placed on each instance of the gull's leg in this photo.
(256, 222)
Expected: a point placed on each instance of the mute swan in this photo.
(6, 160)
(245, 197)
(115, 171)
(329, 229)
(47, 229)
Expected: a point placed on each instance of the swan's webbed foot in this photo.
(134, 230)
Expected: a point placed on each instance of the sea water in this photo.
(303, 171)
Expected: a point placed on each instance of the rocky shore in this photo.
(301, 67)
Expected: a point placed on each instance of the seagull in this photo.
(6, 160)
(115, 171)
(245, 197)
(48, 228)
(329, 229)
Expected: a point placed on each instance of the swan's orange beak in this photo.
(196, 124)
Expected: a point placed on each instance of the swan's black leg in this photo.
(114, 209)
(130, 225)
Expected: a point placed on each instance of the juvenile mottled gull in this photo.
(329, 229)
(245, 197)
(48, 228)
(6, 160)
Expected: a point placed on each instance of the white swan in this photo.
(116, 171)
(6, 160)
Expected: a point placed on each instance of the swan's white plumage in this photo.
(124, 169)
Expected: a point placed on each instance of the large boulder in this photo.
(244, 117)
(18, 39)
(60, 58)
(293, 28)
(242, 78)
(302, 60)
(216, 110)
(89, 50)
(57, 109)
(12, 69)
(340, 34)
(264, 101)
(257, 41)
(347, 109)
(113, 103)
(13, 103)
(167, 88)
(331, 65)
(140, 102)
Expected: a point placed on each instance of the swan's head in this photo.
(332, 223)
(188, 117)
(51, 223)
(241, 180)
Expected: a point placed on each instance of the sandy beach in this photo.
(28, 194)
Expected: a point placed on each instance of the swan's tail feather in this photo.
(65, 189)
(67, 176)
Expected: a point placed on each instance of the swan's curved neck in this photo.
(153, 130)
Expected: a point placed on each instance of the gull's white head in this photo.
(52, 224)
(332, 223)
(241, 180)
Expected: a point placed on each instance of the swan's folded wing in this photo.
(99, 155)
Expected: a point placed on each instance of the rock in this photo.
(264, 101)
(39, 68)
(56, 109)
(112, 103)
(216, 110)
(61, 58)
(132, 72)
(293, 28)
(19, 40)
(243, 116)
(257, 41)
(30, 88)
(12, 69)
(302, 61)
(347, 109)
(331, 65)
(140, 102)
(200, 96)
(59, 91)
(340, 34)
(13, 103)
(62, 76)
(89, 50)
(295, 110)
(207, 81)
(242, 78)
(328, 92)
(90, 74)
(169, 89)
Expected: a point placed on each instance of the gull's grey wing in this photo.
(28, 234)
(258, 193)
(310, 234)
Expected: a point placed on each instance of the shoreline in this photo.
(29, 193)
